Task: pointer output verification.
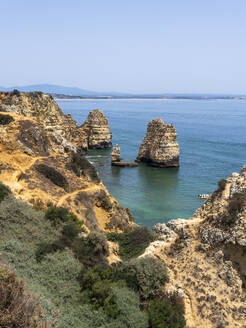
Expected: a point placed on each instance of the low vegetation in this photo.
(5, 119)
(164, 314)
(133, 243)
(221, 184)
(68, 271)
(53, 175)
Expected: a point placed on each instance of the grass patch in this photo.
(133, 243)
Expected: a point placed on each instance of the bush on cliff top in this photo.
(146, 275)
(221, 184)
(133, 243)
(5, 119)
(4, 192)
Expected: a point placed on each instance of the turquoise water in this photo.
(212, 139)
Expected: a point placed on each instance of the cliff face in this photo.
(206, 257)
(97, 129)
(159, 147)
(62, 129)
(40, 170)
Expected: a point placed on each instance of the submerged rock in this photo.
(97, 129)
(160, 147)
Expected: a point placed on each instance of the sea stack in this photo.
(115, 154)
(97, 129)
(160, 147)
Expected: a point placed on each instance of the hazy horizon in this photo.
(133, 47)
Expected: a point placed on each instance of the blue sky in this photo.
(188, 46)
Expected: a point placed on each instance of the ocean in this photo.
(212, 139)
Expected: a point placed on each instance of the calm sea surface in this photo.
(212, 138)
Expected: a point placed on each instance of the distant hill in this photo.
(62, 90)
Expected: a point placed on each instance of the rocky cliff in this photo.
(160, 147)
(206, 257)
(39, 162)
(63, 132)
(97, 129)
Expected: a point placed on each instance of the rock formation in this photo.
(116, 154)
(159, 147)
(97, 129)
(40, 165)
(116, 160)
(206, 257)
(63, 131)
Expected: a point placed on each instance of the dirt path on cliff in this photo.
(63, 198)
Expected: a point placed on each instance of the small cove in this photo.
(212, 138)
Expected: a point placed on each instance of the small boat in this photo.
(203, 196)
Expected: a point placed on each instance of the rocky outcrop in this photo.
(206, 257)
(97, 129)
(115, 154)
(160, 147)
(116, 160)
(40, 171)
(63, 131)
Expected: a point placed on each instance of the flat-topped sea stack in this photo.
(116, 160)
(160, 147)
(97, 129)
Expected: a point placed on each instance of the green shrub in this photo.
(163, 314)
(16, 92)
(101, 289)
(133, 243)
(46, 248)
(53, 175)
(5, 119)
(82, 167)
(146, 275)
(221, 184)
(92, 249)
(4, 192)
(70, 231)
(60, 215)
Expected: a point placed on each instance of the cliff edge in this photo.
(41, 162)
(206, 257)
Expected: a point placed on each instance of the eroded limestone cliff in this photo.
(160, 147)
(40, 163)
(63, 132)
(97, 129)
(206, 257)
